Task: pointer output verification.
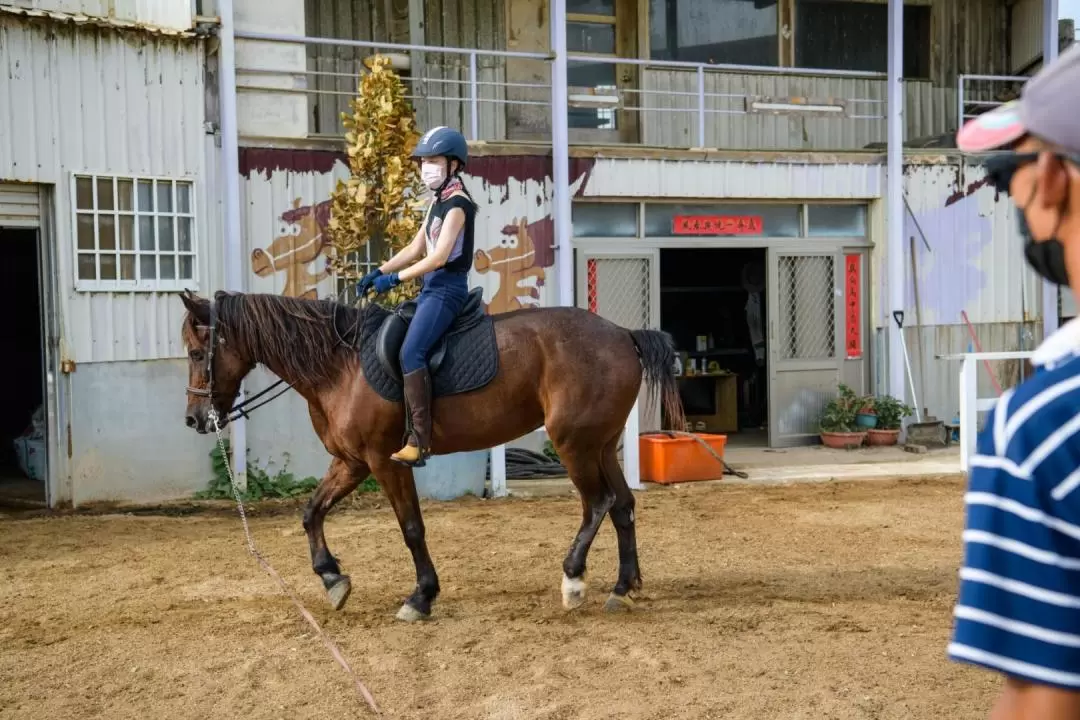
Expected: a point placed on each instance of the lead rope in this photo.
(365, 694)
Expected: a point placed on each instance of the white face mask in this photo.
(432, 174)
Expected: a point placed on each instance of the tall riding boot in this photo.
(418, 401)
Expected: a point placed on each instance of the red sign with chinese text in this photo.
(716, 225)
(853, 306)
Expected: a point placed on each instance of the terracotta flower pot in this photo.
(883, 437)
(842, 440)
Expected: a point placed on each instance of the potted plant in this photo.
(866, 418)
(890, 416)
(838, 427)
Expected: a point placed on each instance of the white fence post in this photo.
(631, 460)
(498, 471)
(969, 414)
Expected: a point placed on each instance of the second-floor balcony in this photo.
(787, 75)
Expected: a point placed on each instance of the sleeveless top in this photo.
(461, 254)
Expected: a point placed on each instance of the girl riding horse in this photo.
(441, 254)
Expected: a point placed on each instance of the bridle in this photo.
(237, 411)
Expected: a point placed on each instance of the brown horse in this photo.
(564, 368)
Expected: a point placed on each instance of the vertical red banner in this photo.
(853, 306)
(590, 284)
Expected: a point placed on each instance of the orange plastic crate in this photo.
(666, 460)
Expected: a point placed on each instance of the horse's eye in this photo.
(197, 355)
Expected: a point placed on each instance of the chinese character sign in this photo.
(717, 225)
(852, 306)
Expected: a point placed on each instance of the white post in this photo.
(895, 195)
(969, 412)
(498, 471)
(630, 455)
(701, 106)
(1050, 53)
(560, 154)
(474, 101)
(230, 181)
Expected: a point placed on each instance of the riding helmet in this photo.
(443, 141)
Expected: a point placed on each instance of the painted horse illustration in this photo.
(299, 242)
(495, 378)
(514, 260)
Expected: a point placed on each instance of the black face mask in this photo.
(1046, 257)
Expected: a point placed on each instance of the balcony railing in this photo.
(977, 94)
(298, 87)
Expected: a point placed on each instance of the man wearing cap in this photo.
(1018, 610)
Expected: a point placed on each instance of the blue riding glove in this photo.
(383, 283)
(367, 282)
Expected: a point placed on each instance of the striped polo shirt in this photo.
(1018, 610)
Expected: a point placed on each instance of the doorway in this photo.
(23, 427)
(713, 303)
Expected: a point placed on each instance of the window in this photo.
(836, 220)
(604, 219)
(590, 30)
(133, 233)
(735, 32)
(845, 35)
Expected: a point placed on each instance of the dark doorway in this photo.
(22, 363)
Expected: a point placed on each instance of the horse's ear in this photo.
(197, 306)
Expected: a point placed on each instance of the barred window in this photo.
(134, 233)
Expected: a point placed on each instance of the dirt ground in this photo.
(805, 601)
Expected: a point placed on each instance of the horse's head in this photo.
(515, 252)
(215, 367)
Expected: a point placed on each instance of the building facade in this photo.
(727, 174)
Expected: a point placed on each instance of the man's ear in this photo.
(1053, 180)
(197, 306)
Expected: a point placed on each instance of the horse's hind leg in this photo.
(583, 464)
(622, 517)
(340, 480)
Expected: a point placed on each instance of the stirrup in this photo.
(410, 455)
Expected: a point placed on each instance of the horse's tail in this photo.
(656, 349)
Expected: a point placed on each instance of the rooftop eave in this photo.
(202, 26)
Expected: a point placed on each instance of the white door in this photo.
(623, 287)
(805, 344)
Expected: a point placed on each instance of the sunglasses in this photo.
(1001, 168)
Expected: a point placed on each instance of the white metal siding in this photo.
(171, 14)
(96, 100)
(19, 205)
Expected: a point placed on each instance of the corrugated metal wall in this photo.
(442, 79)
(174, 14)
(88, 100)
(1026, 29)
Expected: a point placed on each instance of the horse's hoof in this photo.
(409, 614)
(338, 593)
(618, 603)
(573, 592)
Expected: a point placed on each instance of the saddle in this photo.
(466, 358)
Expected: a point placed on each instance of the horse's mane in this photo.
(304, 340)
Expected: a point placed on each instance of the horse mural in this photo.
(300, 241)
(494, 378)
(518, 264)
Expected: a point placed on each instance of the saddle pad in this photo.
(471, 361)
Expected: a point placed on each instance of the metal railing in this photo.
(976, 94)
(970, 402)
(497, 95)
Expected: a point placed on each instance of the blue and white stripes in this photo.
(1018, 610)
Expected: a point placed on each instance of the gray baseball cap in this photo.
(1048, 108)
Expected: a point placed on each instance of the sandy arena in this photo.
(806, 601)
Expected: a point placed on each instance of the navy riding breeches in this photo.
(440, 301)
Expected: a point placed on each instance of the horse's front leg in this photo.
(340, 480)
(397, 482)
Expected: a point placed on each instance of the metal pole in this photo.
(1050, 53)
(960, 101)
(230, 182)
(474, 102)
(560, 153)
(895, 195)
(701, 106)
